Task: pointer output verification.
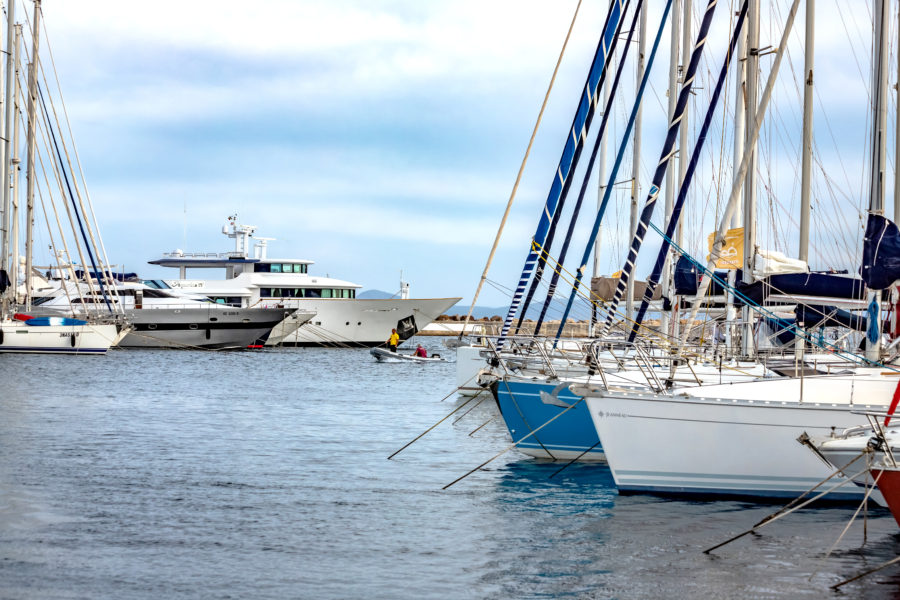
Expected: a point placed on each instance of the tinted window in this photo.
(276, 268)
(261, 268)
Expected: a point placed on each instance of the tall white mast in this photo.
(683, 154)
(879, 145)
(671, 182)
(636, 160)
(5, 263)
(601, 188)
(806, 165)
(740, 116)
(32, 99)
(15, 160)
(750, 183)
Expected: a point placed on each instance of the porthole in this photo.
(192, 326)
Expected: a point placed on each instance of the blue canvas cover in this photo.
(881, 253)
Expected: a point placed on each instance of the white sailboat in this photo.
(740, 439)
(19, 333)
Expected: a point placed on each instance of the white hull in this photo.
(358, 322)
(56, 339)
(209, 328)
(738, 439)
(469, 363)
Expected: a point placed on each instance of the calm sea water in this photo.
(179, 474)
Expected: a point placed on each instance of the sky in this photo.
(380, 138)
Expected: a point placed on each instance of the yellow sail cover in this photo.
(733, 252)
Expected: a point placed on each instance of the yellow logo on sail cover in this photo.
(732, 256)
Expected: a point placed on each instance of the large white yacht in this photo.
(341, 319)
(170, 318)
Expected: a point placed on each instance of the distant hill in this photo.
(479, 312)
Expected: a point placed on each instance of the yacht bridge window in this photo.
(279, 268)
(273, 292)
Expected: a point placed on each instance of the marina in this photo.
(686, 388)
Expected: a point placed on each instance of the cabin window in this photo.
(261, 268)
(275, 268)
(265, 292)
(326, 293)
(313, 293)
(299, 268)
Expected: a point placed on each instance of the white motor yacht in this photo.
(171, 318)
(341, 319)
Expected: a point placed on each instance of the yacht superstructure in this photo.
(259, 281)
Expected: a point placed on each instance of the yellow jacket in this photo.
(394, 339)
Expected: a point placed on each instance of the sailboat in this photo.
(740, 439)
(19, 332)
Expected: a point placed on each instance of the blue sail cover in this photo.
(813, 315)
(687, 279)
(881, 253)
(820, 285)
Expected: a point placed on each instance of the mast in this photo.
(806, 160)
(740, 114)
(32, 98)
(4, 170)
(750, 183)
(601, 179)
(731, 206)
(879, 157)
(636, 156)
(670, 169)
(806, 165)
(683, 156)
(15, 160)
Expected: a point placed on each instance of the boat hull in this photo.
(566, 430)
(214, 328)
(19, 338)
(359, 322)
(889, 485)
(737, 440)
(384, 355)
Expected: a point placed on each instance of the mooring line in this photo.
(482, 425)
(782, 513)
(450, 414)
(514, 444)
(473, 407)
(571, 462)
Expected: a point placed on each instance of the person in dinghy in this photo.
(420, 352)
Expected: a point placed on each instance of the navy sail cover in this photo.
(881, 253)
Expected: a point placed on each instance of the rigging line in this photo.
(655, 276)
(571, 152)
(90, 203)
(752, 138)
(569, 178)
(512, 195)
(665, 155)
(615, 170)
(711, 275)
(72, 198)
(43, 169)
(105, 271)
(587, 176)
